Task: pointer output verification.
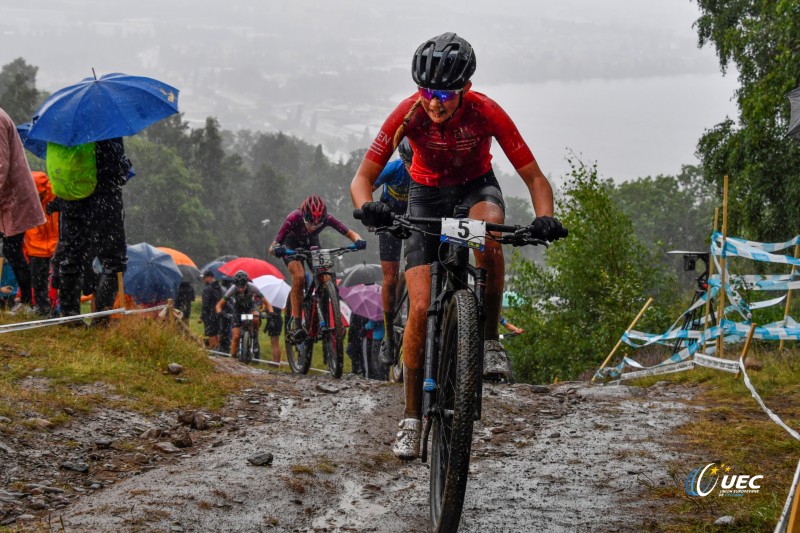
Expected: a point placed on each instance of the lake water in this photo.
(631, 127)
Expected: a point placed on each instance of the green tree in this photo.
(760, 39)
(18, 94)
(162, 202)
(669, 213)
(595, 281)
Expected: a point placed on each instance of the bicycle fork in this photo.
(429, 386)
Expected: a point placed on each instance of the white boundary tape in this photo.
(664, 369)
(782, 521)
(19, 326)
(270, 363)
(766, 409)
(725, 365)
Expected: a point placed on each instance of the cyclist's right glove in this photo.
(376, 214)
(279, 251)
(548, 228)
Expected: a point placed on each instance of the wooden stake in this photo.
(794, 515)
(721, 313)
(635, 320)
(121, 289)
(788, 296)
(710, 273)
(169, 310)
(747, 341)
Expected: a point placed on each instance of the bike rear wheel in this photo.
(333, 338)
(297, 354)
(454, 410)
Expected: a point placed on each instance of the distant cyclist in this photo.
(301, 229)
(450, 127)
(246, 299)
(395, 180)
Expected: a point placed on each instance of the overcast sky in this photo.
(621, 82)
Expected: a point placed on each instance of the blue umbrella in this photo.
(37, 148)
(115, 105)
(152, 275)
(213, 266)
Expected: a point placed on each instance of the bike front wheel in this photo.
(297, 354)
(245, 348)
(333, 339)
(454, 410)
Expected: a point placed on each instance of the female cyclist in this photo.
(450, 129)
(301, 229)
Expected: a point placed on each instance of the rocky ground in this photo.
(313, 454)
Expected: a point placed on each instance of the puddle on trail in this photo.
(353, 508)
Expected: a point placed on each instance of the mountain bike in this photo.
(321, 315)
(248, 339)
(452, 386)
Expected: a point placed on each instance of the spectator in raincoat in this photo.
(40, 245)
(20, 209)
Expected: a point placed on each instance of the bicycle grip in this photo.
(358, 214)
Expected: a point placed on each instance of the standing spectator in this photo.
(20, 209)
(355, 337)
(212, 292)
(92, 224)
(225, 320)
(273, 327)
(40, 245)
(183, 299)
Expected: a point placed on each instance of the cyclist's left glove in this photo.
(376, 214)
(548, 228)
(361, 244)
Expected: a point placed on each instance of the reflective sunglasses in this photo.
(442, 96)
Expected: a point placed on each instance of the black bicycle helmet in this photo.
(240, 279)
(405, 151)
(443, 63)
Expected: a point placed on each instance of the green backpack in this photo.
(72, 170)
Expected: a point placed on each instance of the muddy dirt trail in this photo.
(563, 458)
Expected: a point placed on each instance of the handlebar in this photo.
(515, 235)
(332, 251)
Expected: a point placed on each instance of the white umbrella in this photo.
(275, 290)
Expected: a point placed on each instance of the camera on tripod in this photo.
(690, 265)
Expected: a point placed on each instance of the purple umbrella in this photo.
(364, 300)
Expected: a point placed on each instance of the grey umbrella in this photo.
(362, 274)
(794, 119)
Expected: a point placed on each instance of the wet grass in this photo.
(732, 429)
(52, 372)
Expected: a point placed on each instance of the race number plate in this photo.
(247, 316)
(464, 232)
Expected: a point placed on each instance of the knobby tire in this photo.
(333, 342)
(458, 381)
(298, 355)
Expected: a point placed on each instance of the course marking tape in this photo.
(766, 409)
(19, 326)
(665, 369)
(715, 362)
(782, 521)
(270, 363)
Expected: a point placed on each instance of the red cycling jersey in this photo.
(457, 151)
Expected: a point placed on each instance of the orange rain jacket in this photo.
(41, 241)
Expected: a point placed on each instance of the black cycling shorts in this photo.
(274, 324)
(292, 243)
(211, 327)
(436, 202)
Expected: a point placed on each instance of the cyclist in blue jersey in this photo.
(394, 180)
